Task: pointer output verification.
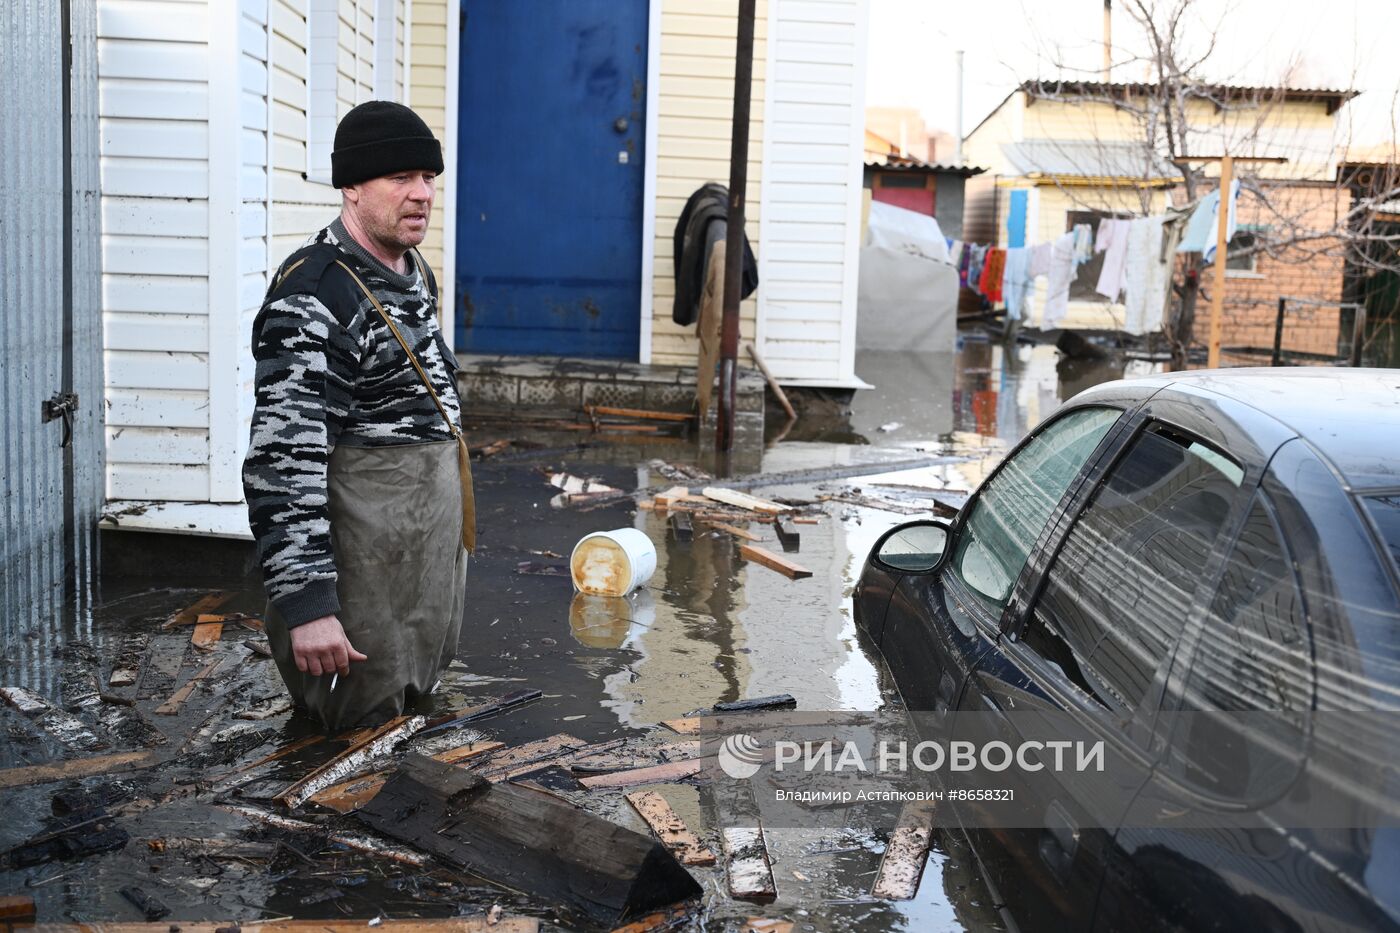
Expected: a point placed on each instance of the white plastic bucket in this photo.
(612, 563)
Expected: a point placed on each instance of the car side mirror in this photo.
(914, 548)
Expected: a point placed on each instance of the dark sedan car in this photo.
(1161, 555)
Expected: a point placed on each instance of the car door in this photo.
(1088, 660)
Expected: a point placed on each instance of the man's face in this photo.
(395, 209)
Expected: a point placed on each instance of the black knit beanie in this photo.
(380, 137)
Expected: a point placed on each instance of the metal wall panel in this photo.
(49, 337)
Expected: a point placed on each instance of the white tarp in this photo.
(908, 292)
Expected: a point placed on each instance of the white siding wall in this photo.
(153, 70)
(812, 155)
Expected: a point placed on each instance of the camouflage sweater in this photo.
(329, 372)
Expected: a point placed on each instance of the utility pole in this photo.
(734, 234)
(1107, 41)
(1222, 236)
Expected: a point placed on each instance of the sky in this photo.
(912, 45)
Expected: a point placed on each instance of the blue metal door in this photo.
(549, 201)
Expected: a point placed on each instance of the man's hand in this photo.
(320, 647)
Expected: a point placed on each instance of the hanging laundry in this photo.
(1015, 287)
(1039, 263)
(1158, 297)
(992, 273)
(963, 259)
(1151, 259)
(974, 267)
(1083, 243)
(1113, 243)
(1062, 269)
(1203, 227)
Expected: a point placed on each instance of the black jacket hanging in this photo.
(694, 237)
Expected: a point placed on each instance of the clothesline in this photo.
(1138, 259)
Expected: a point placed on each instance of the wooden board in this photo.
(512, 836)
(191, 613)
(905, 856)
(746, 863)
(643, 414)
(528, 758)
(342, 766)
(773, 562)
(681, 527)
(788, 535)
(67, 729)
(736, 532)
(743, 500)
(128, 663)
(206, 634)
(171, 707)
(160, 667)
(689, 725)
(450, 925)
(350, 795)
(670, 828)
(77, 768)
(654, 774)
(655, 923)
(629, 759)
(481, 711)
(366, 844)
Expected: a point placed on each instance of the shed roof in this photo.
(1086, 159)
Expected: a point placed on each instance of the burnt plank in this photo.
(788, 535)
(160, 667)
(681, 527)
(473, 713)
(67, 729)
(528, 841)
(128, 663)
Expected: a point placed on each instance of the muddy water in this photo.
(707, 628)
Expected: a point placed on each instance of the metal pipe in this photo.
(958, 120)
(734, 240)
(1278, 333)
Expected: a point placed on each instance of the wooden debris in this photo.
(191, 613)
(788, 536)
(688, 725)
(274, 706)
(664, 499)
(67, 729)
(350, 795)
(415, 925)
(290, 748)
(871, 502)
(767, 924)
(512, 836)
(670, 828)
(736, 532)
(75, 836)
(743, 500)
(773, 562)
(572, 485)
(599, 762)
(353, 759)
(126, 726)
(16, 910)
(207, 632)
(160, 667)
(128, 663)
(473, 713)
(679, 472)
(806, 520)
(652, 774)
(539, 569)
(524, 759)
(905, 856)
(485, 451)
(171, 707)
(746, 863)
(354, 841)
(776, 701)
(80, 767)
(149, 906)
(773, 386)
(654, 923)
(681, 527)
(602, 411)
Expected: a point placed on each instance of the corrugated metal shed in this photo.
(1086, 159)
(50, 327)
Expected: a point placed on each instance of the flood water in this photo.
(708, 628)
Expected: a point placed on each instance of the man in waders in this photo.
(357, 477)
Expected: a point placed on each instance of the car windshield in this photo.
(1013, 507)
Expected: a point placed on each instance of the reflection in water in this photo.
(609, 621)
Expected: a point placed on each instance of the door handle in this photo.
(1059, 840)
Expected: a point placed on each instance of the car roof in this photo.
(1350, 416)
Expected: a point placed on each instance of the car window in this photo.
(1253, 657)
(1385, 512)
(1010, 511)
(1117, 595)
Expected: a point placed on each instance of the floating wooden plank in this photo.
(806, 520)
(630, 759)
(207, 632)
(350, 795)
(773, 562)
(905, 856)
(670, 828)
(77, 768)
(681, 527)
(160, 668)
(665, 498)
(775, 701)
(537, 755)
(367, 844)
(67, 729)
(746, 863)
(652, 774)
(450, 925)
(688, 725)
(128, 663)
(514, 836)
(481, 711)
(602, 411)
(735, 531)
(171, 707)
(353, 759)
(191, 613)
(743, 500)
(788, 535)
